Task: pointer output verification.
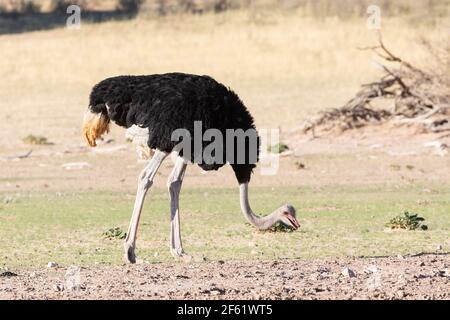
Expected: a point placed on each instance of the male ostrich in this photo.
(160, 104)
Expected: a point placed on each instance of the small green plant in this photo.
(281, 227)
(407, 221)
(36, 140)
(115, 233)
(278, 148)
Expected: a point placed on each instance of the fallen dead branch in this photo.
(417, 97)
(17, 157)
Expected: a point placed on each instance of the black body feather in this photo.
(164, 103)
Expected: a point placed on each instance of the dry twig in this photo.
(419, 97)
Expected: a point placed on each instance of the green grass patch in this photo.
(115, 233)
(278, 148)
(336, 221)
(36, 140)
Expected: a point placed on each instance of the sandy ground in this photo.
(283, 76)
(413, 277)
(352, 157)
(355, 157)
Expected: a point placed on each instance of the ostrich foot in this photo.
(130, 256)
(178, 253)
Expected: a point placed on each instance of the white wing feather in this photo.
(139, 136)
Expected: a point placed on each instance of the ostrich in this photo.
(158, 105)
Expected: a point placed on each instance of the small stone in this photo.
(400, 256)
(58, 287)
(156, 254)
(73, 280)
(8, 200)
(76, 165)
(347, 272)
(372, 269)
(314, 277)
(33, 275)
(52, 265)
(438, 247)
(400, 294)
(440, 273)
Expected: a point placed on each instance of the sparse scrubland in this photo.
(286, 65)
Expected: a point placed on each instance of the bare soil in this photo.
(354, 156)
(279, 86)
(425, 276)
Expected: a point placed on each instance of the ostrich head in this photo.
(284, 214)
(287, 215)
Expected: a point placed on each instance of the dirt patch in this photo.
(415, 277)
(356, 156)
(380, 139)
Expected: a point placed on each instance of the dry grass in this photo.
(283, 66)
(316, 8)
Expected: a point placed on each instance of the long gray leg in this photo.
(144, 184)
(174, 185)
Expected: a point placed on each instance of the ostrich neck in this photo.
(262, 223)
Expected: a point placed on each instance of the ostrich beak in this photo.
(294, 222)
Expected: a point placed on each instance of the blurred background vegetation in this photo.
(18, 16)
(318, 8)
